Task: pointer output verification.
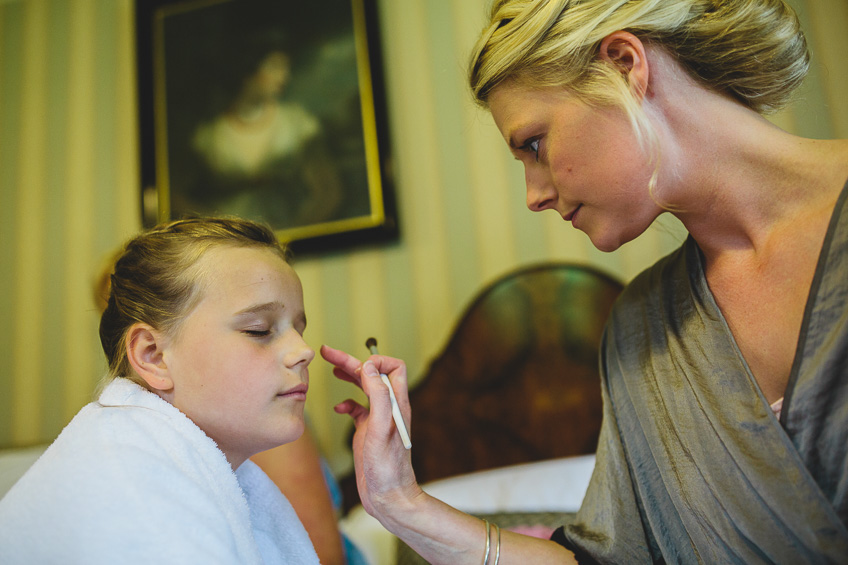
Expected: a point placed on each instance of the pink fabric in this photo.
(777, 407)
(542, 532)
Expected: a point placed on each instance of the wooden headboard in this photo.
(518, 379)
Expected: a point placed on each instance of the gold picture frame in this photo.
(272, 110)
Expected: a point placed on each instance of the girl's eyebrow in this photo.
(263, 307)
(274, 306)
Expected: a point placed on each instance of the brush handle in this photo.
(398, 417)
(404, 435)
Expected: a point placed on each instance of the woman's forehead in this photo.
(512, 104)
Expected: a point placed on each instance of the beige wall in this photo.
(69, 195)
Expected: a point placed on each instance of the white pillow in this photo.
(555, 485)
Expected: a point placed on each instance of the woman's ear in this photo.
(145, 348)
(626, 52)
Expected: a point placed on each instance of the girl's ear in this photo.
(145, 347)
(626, 52)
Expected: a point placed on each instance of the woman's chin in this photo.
(608, 239)
(605, 243)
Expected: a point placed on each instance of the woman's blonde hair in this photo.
(156, 279)
(751, 50)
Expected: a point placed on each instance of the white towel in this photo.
(132, 480)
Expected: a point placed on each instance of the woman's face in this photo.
(271, 76)
(583, 162)
(239, 361)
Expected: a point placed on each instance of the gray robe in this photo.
(693, 466)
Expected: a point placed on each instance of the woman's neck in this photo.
(252, 114)
(752, 199)
(735, 179)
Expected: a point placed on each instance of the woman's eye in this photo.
(533, 146)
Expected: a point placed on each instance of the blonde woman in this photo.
(725, 365)
(203, 332)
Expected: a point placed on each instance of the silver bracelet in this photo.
(498, 545)
(488, 541)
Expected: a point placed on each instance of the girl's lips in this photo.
(295, 392)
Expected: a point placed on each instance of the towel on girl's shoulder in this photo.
(132, 480)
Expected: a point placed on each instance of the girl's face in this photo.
(583, 162)
(239, 362)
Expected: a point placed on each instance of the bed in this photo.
(506, 418)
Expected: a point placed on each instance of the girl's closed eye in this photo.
(257, 332)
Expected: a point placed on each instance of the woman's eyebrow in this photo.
(514, 133)
(511, 141)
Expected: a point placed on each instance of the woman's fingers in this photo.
(341, 375)
(395, 369)
(367, 377)
(340, 359)
(349, 368)
(346, 366)
(352, 408)
(376, 391)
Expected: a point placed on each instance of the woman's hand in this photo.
(387, 486)
(384, 474)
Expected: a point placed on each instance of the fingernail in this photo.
(369, 369)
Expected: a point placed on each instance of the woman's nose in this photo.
(541, 193)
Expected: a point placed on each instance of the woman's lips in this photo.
(570, 216)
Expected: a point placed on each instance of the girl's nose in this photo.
(298, 351)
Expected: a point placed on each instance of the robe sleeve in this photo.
(608, 527)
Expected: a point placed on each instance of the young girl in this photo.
(207, 366)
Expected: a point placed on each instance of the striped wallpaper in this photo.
(69, 196)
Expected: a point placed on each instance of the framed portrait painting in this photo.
(271, 110)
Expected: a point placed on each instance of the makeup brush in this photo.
(371, 344)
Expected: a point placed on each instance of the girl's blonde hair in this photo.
(156, 279)
(751, 50)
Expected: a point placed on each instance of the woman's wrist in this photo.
(397, 512)
(438, 532)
